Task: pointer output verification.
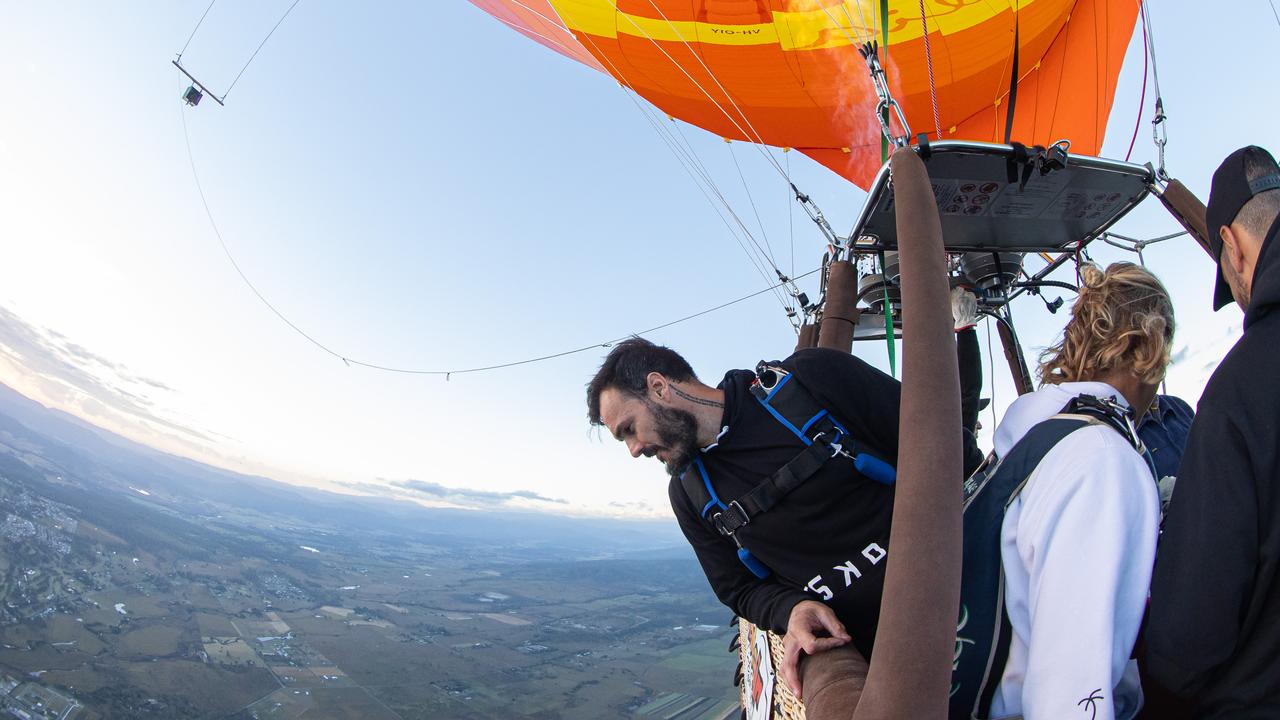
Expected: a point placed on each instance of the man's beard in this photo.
(678, 431)
(1239, 292)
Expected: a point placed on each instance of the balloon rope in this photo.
(928, 59)
(1142, 99)
(688, 158)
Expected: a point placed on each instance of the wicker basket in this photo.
(786, 706)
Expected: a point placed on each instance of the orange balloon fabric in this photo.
(788, 72)
(538, 21)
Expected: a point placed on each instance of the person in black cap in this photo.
(1213, 633)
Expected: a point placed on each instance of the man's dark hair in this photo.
(1257, 215)
(626, 368)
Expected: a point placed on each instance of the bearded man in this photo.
(812, 566)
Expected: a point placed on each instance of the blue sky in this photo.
(416, 185)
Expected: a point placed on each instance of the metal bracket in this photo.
(871, 54)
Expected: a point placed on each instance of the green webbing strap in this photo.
(888, 320)
(884, 158)
(884, 43)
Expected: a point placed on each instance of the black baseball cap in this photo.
(1230, 191)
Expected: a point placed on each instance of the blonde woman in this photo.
(1078, 540)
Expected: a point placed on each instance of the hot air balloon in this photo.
(842, 81)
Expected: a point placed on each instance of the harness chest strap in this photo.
(768, 493)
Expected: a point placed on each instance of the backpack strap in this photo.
(1116, 416)
(983, 632)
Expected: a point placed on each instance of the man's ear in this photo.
(657, 384)
(1232, 249)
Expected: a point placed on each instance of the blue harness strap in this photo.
(788, 402)
(713, 499)
(786, 399)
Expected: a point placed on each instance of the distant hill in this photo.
(106, 462)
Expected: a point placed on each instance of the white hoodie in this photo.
(1077, 545)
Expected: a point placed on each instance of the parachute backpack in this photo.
(824, 437)
(983, 632)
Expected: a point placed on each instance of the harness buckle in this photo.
(729, 520)
(837, 448)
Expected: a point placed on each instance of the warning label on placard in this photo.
(958, 196)
(971, 197)
(1085, 204)
(1030, 201)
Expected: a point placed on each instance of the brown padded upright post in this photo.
(910, 673)
(1187, 209)
(832, 682)
(1013, 355)
(840, 311)
(808, 336)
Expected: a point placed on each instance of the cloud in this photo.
(469, 497)
(1197, 361)
(74, 377)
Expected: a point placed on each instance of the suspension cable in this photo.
(768, 247)
(791, 227)
(687, 156)
(197, 27)
(749, 132)
(349, 361)
(519, 29)
(688, 159)
(259, 48)
(1159, 131)
(869, 50)
(692, 165)
(861, 31)
(695, 168)
(1142, 99)
(928, 59)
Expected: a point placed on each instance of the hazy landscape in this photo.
(139, 584)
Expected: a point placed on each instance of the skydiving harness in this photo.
(983, 632)
(824, 437)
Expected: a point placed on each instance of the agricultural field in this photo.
(164, 606)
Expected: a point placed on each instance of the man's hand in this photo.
(811, 629)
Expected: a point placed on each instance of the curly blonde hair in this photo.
(1122, 320)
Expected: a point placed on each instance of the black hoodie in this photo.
(1213, 634)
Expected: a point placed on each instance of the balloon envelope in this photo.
(788, 72)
